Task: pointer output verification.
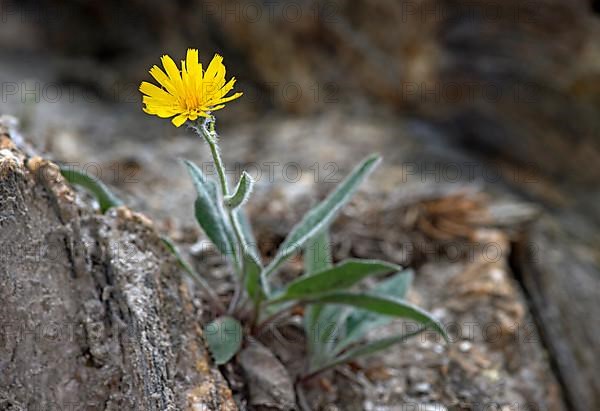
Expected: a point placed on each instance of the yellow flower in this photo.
(189, 93)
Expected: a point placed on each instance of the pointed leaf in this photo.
(177, 254)
(395, 287)
(252, 264)
(327, 331)
(321, 215)
(224, 338)
(317, 253)
(246, 227)
(367, 349)
(242, 192)
(342, 276)
(253, 269)
(208, 213)
(359, 322)
(317, 257)
(382, 305)
(106, 199)
(353, 324)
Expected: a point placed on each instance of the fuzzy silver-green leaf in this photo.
(241, 193)
(381, 305)
(321, 215)
(317, 257)
(106, 199)
(343, 275)
(224, 338)
(208, 213)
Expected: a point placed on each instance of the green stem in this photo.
(255, 313)
(242, 278)
(210, 136)
(263, 324)
(211, 139)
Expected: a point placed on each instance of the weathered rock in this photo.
(269, 383)
(560, 273)
(94, 312)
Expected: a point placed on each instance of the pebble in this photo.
(439, 313)
(438, 348)
(492, 375)
(422, 388)
(465, 346)
(497, 275)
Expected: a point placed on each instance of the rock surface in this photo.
(269, 384)
(94, 311)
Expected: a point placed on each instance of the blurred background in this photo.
(499, 95)
(514, 81)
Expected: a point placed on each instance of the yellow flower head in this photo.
(189, 93)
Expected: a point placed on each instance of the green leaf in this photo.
(249, 240)
(246, 227)
(359, 322)
(242, 192)
(177, 254)
(312, 314)
(208, 212)
(381, 305)
(343, 275)
(224, 338)
(106, 199)
(366, 349)
(317, 257)
(352, 324)
(252, 264)
(320, 216)
(253, 269)
(326, 331)
(397, 285)
(317, 253)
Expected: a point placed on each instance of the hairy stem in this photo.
(207, 129)
(211, 138)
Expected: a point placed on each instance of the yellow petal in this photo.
(155, 92)
(192, 64)
(174, 74)
(215, 66)
(161, 112)
(179, 120)
(187, 93)
(227, 87)
(226, 99)
(162, 79)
